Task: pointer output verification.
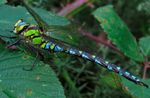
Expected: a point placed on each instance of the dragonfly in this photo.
(37, 37)
(32, 35)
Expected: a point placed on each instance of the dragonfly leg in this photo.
(15, 43)
(143, 84)
(34, 63)
(11, 37)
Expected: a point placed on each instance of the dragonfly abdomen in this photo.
(99, 61)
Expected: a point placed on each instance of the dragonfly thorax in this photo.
(30, 33)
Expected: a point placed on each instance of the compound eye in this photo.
(19, 21)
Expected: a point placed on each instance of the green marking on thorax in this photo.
(31, 32)
(37, 40)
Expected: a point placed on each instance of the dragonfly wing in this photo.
(38, 19)
(64, 34)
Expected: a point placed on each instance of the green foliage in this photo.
(51, 18)
(18, 83)
(137, 91)
(145, 45)
(118, 32)
(2, 2)
(145, 6)
(112, 79)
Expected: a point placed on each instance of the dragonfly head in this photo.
(20, 26)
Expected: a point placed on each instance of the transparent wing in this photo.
(65, 34)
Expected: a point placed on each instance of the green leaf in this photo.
(2, 2)
(112, 79)
(144, 6)
(15, 82)
(136, 90)
(21, 13)
(51, 18)
(118, 32)
(145, 45)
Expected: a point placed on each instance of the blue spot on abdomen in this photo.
(58, 48)
(47, 46)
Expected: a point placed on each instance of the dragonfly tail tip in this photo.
(143, 84)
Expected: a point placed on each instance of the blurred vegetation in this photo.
(84, 79)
